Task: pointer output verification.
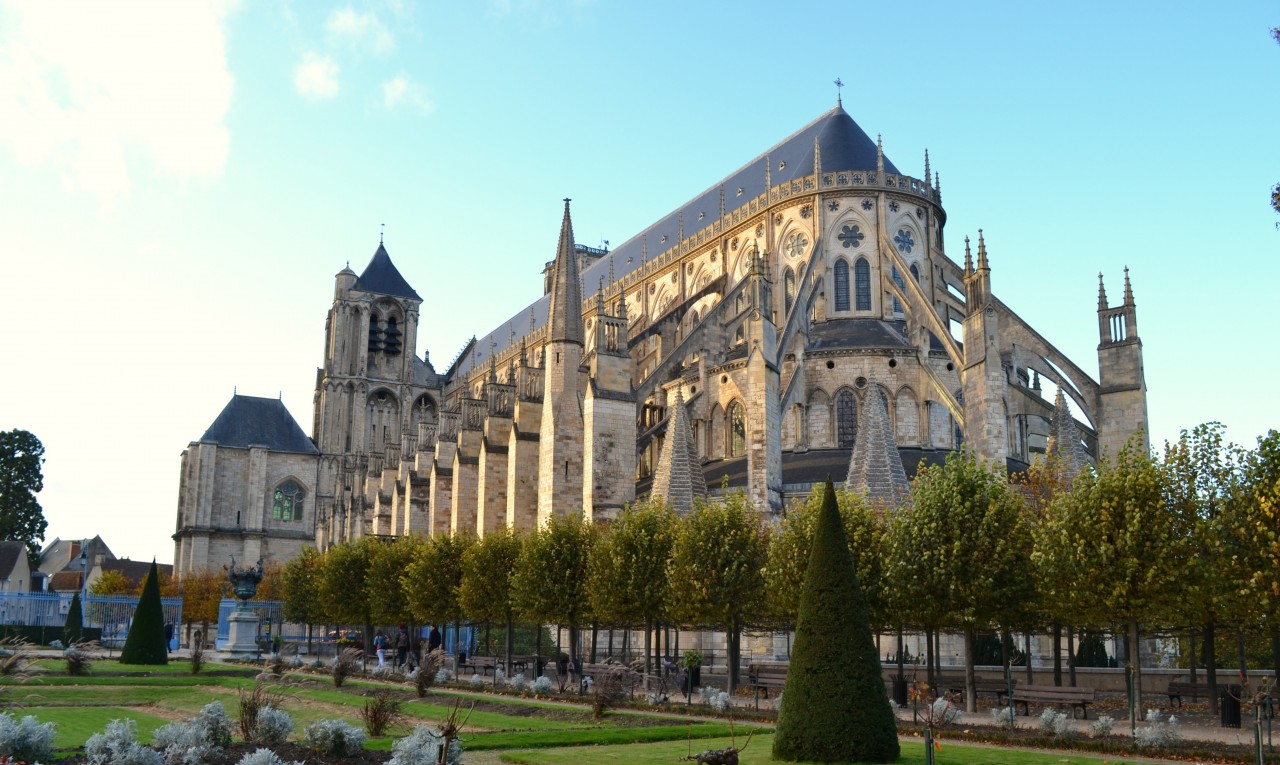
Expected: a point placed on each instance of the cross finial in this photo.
(839, 84)
(381, 231)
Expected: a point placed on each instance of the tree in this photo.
(963, 540)
(628, 565)
(486, 592)
(1254, 525)
(717, 563)
(202, 591)
(113, 583)
(1113, 546)
(272, 585)
(344, 586)
(300, 588)
(551, 575)
(146, 643)
(73, 628)
(433, 577)
(21, 518)
(834, 707)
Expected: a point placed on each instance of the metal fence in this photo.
(110, 613)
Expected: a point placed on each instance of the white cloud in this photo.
(316, 77)
(88, 88)
(361, 30)
(400, 90)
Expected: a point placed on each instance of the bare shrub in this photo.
(610, 689)
(80, 657)
(197, 653)
(253, 702)
(15, 657)
(428, 668)
(345, 664)
(381, 710)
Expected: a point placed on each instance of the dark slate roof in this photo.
(815, 465)
(64, 554)
(382, 278)
(9, 552)
(136, 570)
(858, 333)
(843, 145)
(251, 421)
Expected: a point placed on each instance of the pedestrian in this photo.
(380, 644)
(402, 646)
(434, 639)
(168, 636)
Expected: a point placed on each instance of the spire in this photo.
(926, 167)
(875, 466)
(600, 299)
(982, 253)
(1064, 441)
(968, 257)
(879, 156)
(1128, 288)
(679, 477)
(937, 184)
(564, 315)
(1102, 294)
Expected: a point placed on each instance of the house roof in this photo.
(65, 581)
(843, 145)
(64, 554)
(136, 570)
(252, 421)
(381, 277)
(10, 554)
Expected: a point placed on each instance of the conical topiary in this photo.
(72, 629)
(145, 643)
(834, 706)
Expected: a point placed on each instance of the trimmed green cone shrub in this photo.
(834, 707)
(145, 643)
(72, 628)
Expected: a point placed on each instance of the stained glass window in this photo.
(842, 284)
(862, 285)
(904, 241)
(287, 504)
(738, 428)
(789, 289)
(846, 419)
(897, 279)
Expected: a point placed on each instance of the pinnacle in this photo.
(1064, 440)
(875, 466)
(679, 477)
(565, 311)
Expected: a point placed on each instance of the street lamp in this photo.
(84, 566)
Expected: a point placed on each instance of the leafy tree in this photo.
(834, 707)
(628, 565)
(168, 586)
(1254, 525)
(864, 526)
(961, 551)
(550, 577)
(486, 593)
(113, 583)
(202, 591)
(1113, 546)
(73, 627)
(272, 585)
(717, 563)
(1200, 470)
(344, 585)
(432, 579)
(386, 571)
(300, 585)
(21, 518)
(145, 643)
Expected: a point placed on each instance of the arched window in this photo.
(842, 284)
(392, 333)
(375, 333)
(861, 284)
(737, 430)
(915, 272)
(789, 289)
(846, 419)
(897, 279)
(286, 505)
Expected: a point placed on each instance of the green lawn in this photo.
(75, 726)
(111, 666)
(758, 753)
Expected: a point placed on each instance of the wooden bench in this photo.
(1000, 688)
(480, 665)
(1076, 698)
(1180, 688)
(766, 677)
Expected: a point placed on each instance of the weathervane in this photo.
(839, 85)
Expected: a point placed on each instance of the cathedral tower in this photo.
(986, 428)
(560, 453)
(1122, 398)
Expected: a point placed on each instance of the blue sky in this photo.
(182, 181)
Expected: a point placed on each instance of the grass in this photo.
(111, 666)
(595, 737)
(759, 752)
(75, 726)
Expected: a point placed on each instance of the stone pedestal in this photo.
(243, 640)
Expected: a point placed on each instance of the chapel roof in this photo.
(252, 421)
(842, 144)
(381, 277)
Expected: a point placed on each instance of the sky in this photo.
(180, 182)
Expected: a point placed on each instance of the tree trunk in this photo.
(1242, 656)
(928, 659)
(902, 656)
(735, 652)
(511, 639)
(1057, 654)
(1135, 672)
(648, 636)
(1031, 675)
(1071, 655)
(970, 681)
(537, 650)
(1191, 655)
(1006, 641)
(1275, 650)
(1211, 667)
(611, 641)
(595, 631)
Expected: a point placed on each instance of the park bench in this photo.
(955, 684)
(766, 677)
(1076, 698)
(1181, 688)
(480, 665)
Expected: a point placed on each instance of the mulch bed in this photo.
(288, 752)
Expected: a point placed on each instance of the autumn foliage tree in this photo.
(344, 585)
(486, 592)
(202, 591)
(551, 575)
(300, 585)
(1254, 525)
(433, 577)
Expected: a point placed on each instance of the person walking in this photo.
(380, 645)
(402, 646)
(434, 639)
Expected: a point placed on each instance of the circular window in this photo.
(950, 366)
(831, 365)
(724, 378)
(893, 363)
(861, 382)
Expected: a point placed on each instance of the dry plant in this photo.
(345, 664)
(611, 688)
(197, 653)
(381, 710)
(275, 662)
(80, 656)
(16, 658)
(451, 727)
(428, 668)
(726, 756)
(251, 704)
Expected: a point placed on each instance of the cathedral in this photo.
(799, 318)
